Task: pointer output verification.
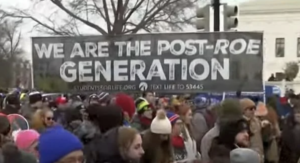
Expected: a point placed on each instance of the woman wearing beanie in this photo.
(185, 113)
(156, 141)
(59, 145)
(233, 134)
(118, 145)
(179, 149)
(27, 140)
(248, 108)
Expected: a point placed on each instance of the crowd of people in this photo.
(106, 128)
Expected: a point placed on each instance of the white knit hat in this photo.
(161, 124)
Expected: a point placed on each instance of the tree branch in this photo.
(92, 25)
(107, 19)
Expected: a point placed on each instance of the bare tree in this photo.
(114, 17)
(10, 50)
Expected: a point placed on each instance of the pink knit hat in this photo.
(25, 138)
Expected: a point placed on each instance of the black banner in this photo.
(165, 62)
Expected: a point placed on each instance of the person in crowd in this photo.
(149, 96)
(12, 104)
(248, 108)
(119, 145)
(42, 118)
(93, 99)
(203, 118)
(56, 144)
(27, 140)
(11, 154)
(128, 106)
(244, 155)
(233, 134)
(142, 120)
(270, 131)
(5, 130)
(156, 140)
(76, 121)
(103, 118)
(72, 116)
(177, 140)
(185, 113)
(35, 100)
(290, 140)
(226, 111)
(102, 98)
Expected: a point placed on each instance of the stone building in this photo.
(280, 22)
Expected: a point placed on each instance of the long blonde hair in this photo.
(37, 121)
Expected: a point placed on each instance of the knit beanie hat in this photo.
(126, 103)
(244, 155)
(172, 117)
(55, 143)
(230, 110)
(142, 105)
(161, 124)
(25, 138)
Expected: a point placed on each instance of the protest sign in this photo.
(164, 62)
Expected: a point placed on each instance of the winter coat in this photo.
(256, 142)
(219, 153)
(207, 142)
(104, 148)
(200, 126)
(290, 141)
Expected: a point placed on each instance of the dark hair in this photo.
(4, 125)
(105, 117)
(145, 93)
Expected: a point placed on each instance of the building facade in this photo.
(280, 22)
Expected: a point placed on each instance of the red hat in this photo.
(61, 100)
(126, 103)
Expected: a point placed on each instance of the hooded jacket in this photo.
(105, 148)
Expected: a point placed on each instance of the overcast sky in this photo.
(40, 10)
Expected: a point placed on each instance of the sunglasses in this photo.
(252, 108)
(49, 118)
